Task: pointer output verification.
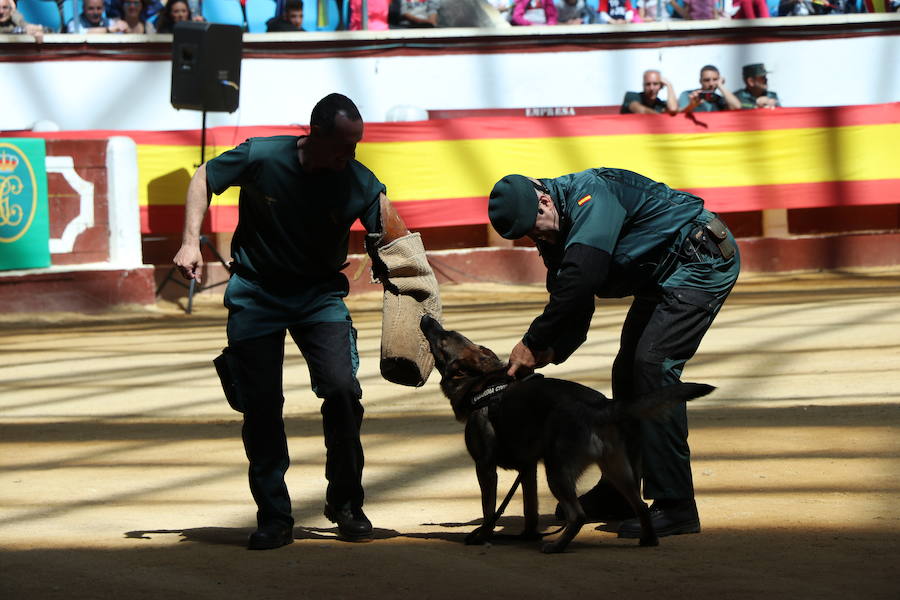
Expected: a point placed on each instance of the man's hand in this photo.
(189, 261)
(693, 101)
(523, 360)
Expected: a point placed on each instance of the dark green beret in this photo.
(513, 206)
(754, 70)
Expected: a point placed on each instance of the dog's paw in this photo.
(553, 548)
(476, 538)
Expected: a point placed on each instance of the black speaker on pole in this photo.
(206, 66)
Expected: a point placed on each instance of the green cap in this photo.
(513, 206)
(754, 70)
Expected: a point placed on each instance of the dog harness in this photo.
(492, 394)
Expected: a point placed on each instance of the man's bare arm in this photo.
(671, 97)
(189, 259)
(730, 99)
(392, 225)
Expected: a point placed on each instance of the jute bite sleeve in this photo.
(410, 291)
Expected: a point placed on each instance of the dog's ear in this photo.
(488, 352)
(488, 359)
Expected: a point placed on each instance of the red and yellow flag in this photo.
(439, 173)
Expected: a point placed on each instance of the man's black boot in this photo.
(602, 503)
(669, 517)
(273, 535)
(352, 522)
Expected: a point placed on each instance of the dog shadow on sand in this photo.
(507, 531)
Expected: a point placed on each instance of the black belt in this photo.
(709, 238)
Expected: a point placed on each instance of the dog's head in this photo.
(461, 362)
(455, 355)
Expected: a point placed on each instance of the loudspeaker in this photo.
(206, 66)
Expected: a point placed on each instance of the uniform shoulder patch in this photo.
(584, 200)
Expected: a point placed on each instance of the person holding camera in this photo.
(712, 94)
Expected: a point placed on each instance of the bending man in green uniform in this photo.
(612, 233)
(299, 197)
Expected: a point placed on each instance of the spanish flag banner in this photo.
(439, 172)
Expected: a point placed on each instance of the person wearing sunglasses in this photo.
(756, 94)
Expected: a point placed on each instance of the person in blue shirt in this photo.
(612, 233)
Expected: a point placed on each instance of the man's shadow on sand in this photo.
(237, 536)
(507, 530)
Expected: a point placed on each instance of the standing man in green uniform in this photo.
(612, 233)
(299, 197)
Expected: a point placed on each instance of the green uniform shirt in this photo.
(293, 226)
(658, 105)
(642, 225)
(292, 235)
(748, 100)
(634, 219)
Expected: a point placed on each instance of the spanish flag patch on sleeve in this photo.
(584, 200)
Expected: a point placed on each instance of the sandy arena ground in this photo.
(122, 473)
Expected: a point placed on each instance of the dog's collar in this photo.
(492, 393)
(488, 395)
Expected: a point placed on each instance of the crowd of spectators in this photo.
(149, 16)
(571, 12)
(711, 95)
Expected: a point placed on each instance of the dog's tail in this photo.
(655, 404)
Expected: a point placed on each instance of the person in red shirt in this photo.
(615, 11)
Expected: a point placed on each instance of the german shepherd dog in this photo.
(514, 424)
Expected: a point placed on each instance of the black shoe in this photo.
(352, 522)
(270, 536)
(601, 503)
(669, 517)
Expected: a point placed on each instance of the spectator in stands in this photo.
(615, 11)
(844, 7)
(289, 20)
(711, 96)
(12, 21)
(654, 10)
(93, 20)
(151, 8)
(756, 94)
(648, 102)
(800, 8)
(378, 15)
(534, 12)
(701, 10)
(575, 12)
(175, 11)
(750, 9)
(414, 13)
(132, 12)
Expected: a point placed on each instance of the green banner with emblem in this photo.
(24, 220)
